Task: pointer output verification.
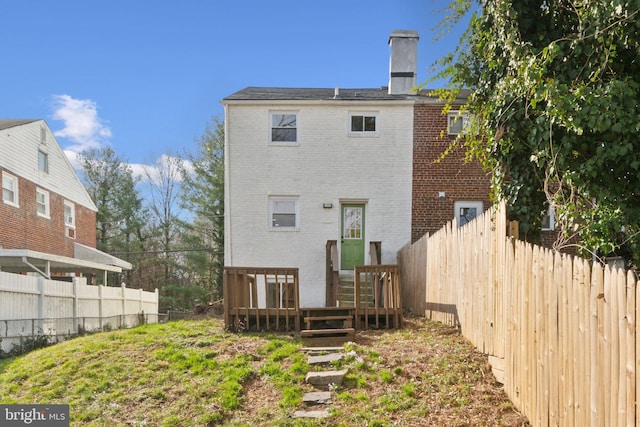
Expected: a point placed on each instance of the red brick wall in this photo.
(22, 228)
(459, 180)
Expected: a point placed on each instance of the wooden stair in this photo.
(346, 292)
(327, 337)
(328, 326)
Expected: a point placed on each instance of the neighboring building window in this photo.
(284, 127)
(457, 122)
(10, 189)
(549, 220)
(43, 135)
(283, 213)
(364, 124)
(43, 161)
(467, 211)
(42, 202)
(69, 214)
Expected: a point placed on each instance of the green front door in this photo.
(352, 236)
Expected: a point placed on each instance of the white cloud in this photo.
(82, 126)
(73, 157)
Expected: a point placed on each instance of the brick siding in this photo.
(22, 228)
(458, 179)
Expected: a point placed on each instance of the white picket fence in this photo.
(34, 307)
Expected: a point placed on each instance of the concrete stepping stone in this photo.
(323, 379)
(324, 358)
(317, 398)
(311, 414)
(319, 350)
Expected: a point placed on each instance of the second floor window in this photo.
(43, 161)
(42, 203)
(363, 123)
(69, 214)
(284, 127)
(9, 189)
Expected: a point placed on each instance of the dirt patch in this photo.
(423, 374)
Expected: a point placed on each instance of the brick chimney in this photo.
(404, 61)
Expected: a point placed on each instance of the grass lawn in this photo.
(193, 373)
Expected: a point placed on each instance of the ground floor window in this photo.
(283, 213)
(466, 211)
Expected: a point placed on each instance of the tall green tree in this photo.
(163, 180)
(110, 182)
(203, 195)
(554, 112)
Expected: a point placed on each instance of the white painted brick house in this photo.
(304, 166)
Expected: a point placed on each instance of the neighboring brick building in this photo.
(443, 187)
(47, 218)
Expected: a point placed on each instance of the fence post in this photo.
(124, 304)
(75, 305)
(100, 305)
(40, 304)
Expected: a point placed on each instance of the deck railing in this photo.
(332, 273)
(378, 294)
(261, 298)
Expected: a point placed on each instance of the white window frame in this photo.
(467, 204)
(8, 178)
(70, 220)
(273, 200)
(551, 223)
(45, 203)
(43, 166)
(272, 115)
(364, 115)
(452, 118)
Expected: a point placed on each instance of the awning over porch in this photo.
(85, 260)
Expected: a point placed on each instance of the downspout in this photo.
(42, 273)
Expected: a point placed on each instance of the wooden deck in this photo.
(268, 299)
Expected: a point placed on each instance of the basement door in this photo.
(352, 246)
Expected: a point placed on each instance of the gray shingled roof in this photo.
(253, 93)
(309, 94)
(9, 123)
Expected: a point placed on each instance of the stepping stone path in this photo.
(321, 380)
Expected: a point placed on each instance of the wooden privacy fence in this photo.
(562, 329)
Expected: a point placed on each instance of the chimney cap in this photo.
(406, 34)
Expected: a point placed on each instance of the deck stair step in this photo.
(346, 292)
(345, 321)
(327, 337)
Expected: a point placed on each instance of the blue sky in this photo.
(144, 77)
